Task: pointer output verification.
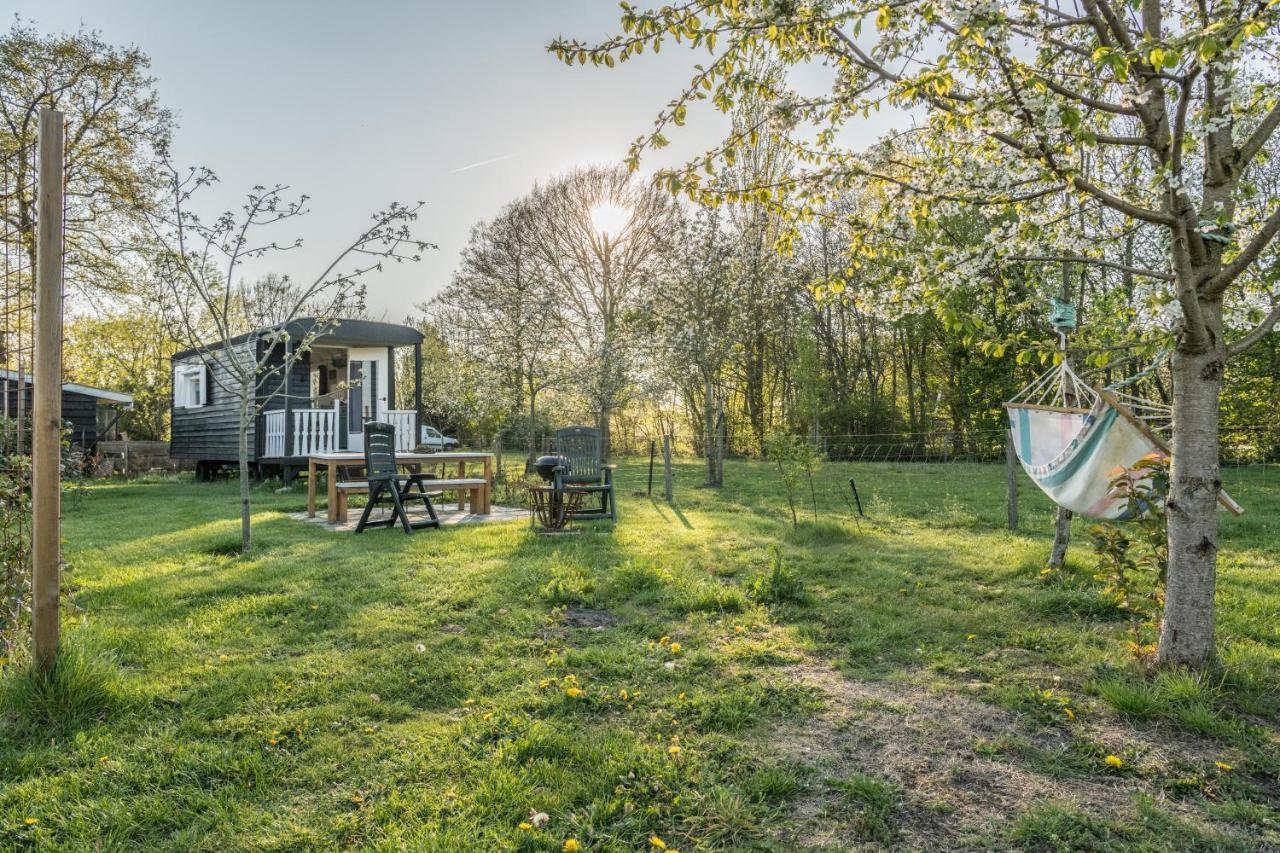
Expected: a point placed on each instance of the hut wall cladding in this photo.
(212, 431)
(299, 389)
(79, 410)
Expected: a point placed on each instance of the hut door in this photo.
(366, 397)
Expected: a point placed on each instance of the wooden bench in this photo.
(477, 487)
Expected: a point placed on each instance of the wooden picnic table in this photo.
(352, 461)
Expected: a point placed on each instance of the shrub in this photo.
(1136, 547)
(797, 461)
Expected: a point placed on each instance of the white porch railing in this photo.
(315, 431)
(406, 424)
(273, 431)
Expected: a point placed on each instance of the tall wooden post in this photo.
(46, 421)
(666, 467)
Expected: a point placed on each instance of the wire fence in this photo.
(1240, 445)
(17, 315)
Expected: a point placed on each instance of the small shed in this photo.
(91, 414)
(345, 379)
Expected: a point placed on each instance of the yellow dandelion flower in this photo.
(658, 843)
(356, 798)
(971, 637)
(571, 845)
(545, 683)
(31, 821)
(622, 694)
(571, 679)
(1223, 766)
(574, 693)
(1114, 761)
(674, 749)
(665, 639)
(675, 648)
(1071, 715)
(738, 629)
(525, 825)
(680, 697)
(488, 716)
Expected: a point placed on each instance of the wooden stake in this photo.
(46, 421)
(1062, 520)
(1011, 488)
(652, 451)
(666, 466)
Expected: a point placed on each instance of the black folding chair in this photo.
(389, 487)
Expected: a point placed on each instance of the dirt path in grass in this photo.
(928, 743)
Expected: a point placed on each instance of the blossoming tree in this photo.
(1076, 124)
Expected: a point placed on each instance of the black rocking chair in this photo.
(583, 470)
(387, 486)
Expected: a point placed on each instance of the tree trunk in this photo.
(1187, 630)
(605, 411)
(246, 416)
(722, 442)
(533, 429)
(709, 441)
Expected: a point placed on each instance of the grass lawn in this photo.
(909, 680)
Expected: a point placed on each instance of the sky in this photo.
(357, 104)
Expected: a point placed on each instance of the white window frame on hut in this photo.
(190, 385)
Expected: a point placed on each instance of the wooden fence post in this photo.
(666, 466)
(46, 421)
(1011, 464)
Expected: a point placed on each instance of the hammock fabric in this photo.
(1074, 440)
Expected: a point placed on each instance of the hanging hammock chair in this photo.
(1074, 440)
